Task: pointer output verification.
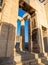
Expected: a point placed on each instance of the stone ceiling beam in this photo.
(26, 7)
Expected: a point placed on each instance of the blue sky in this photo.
(18, 27)
(21, 13)
(26, 30)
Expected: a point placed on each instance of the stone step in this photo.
(34, 63)
(40, 55)
(26, 59)
(23, 58)
(5, 61)
(26, 56)
(29, 62)
(44, 60)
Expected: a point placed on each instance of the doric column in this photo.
(46, 40)
(23, 35)
(8, 27)
(30, 34)
(40, 39)
(40, 34)
(21, 43)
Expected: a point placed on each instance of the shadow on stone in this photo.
(7, 43)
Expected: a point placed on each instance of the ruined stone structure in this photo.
(37, 14)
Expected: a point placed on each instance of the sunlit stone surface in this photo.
(14, 51)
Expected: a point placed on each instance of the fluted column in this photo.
(23, 34)
(21, 48)
(8, 27)
(46, 40)
(30, 34)
(40, 34)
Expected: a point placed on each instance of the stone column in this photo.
(40, 39)
(42, 49)
(40, 34)
(0, 18)
(46, 40)
(30, 34)
(23, 35)
(8, 27)
(21, 43)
